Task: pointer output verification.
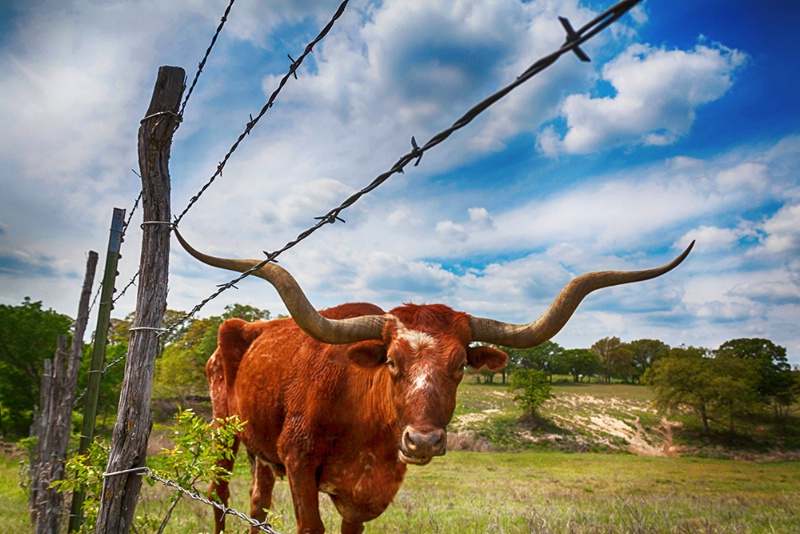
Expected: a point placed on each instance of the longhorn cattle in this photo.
(341, 401)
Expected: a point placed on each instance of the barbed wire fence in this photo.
(574, 39)
(270, 102)
(572, 44)
(264, 527)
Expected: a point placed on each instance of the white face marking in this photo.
(421, 381)
(420, 371)
(418, 341)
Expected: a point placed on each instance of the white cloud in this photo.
(451, 231)
(771, 292)
(480, 218)
(712, 238)
(656, 96)
(782, 233)
(389, 71)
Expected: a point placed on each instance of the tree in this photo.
(580, 363)
(718, 389)
(608, 349)
(546, 357)
(180, 371)
(28, 336)
(683, 378)
(645, 352)
(535, 389)
(246, 312)
(774, 379)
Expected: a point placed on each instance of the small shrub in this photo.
(199, 445)
(536, 389)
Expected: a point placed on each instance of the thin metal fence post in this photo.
(98, 354)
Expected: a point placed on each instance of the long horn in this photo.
(522, 336)
(333, 331)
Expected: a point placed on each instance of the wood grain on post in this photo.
(134, 420)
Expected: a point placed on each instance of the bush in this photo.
(535, 388)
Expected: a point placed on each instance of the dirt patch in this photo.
(614, 423)
(462, 421)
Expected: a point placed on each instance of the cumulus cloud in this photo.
(769, 292)
(782, 232)
(480, 218)
(656, 94)
(712, 238)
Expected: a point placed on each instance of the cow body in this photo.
(341, 419)
(341, 400)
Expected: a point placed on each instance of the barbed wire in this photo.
(126, 288)
(253, 121)
(193, 494)
(205, 57)
(572, 44)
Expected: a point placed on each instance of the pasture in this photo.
(539, 490)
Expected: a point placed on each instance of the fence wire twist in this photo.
(572, 44)
(253, 121)
(193, 494)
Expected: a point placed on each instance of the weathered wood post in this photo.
(51, 463)
(38, 429)
(134, 420)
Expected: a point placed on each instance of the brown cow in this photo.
(342, 400)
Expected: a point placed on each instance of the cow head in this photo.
(426, 348)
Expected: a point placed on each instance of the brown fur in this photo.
(339, 419)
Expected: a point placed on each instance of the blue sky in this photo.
(684, 126)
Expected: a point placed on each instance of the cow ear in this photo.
(490, 357)
(368, 354)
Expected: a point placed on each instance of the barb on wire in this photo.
(128, 286)
(205, 57)
(572, 44)
(253, 121)
(133, 210)
(122, 238)
(96, 296)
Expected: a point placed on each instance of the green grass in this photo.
(558, 492)
(13, 499)
(539, 490)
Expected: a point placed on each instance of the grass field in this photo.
(536, 492)
(539, 490)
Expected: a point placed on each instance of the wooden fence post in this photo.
(134, 420)
(55, 437)
(38, 429)
(98, 353)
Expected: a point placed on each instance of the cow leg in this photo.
(305, 496)
(220, 490)
(352, 528)
(260, 490)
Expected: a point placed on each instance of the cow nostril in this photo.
(427, 443)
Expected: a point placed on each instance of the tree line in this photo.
(741, 378)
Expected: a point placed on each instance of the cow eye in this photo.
(392, 365)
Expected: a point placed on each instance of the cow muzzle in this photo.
(419, 448)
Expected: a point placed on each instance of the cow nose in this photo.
(425, 444)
